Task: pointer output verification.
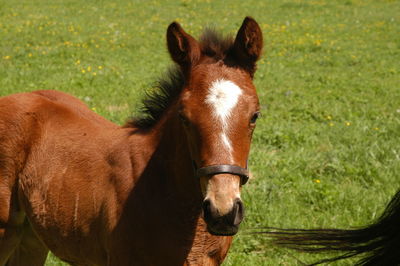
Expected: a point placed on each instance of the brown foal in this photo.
(162, 190)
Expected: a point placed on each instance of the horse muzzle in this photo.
(223, 209)
(226, 224)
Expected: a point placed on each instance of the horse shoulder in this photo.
(72, 168)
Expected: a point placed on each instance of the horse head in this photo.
(218, 108)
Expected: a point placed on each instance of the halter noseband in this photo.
(224, 169)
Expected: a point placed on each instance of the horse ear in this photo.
(182, 47)
(248, 44)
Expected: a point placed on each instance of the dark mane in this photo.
(213, 45)
(157, 99)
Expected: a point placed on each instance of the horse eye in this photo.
(254, 118)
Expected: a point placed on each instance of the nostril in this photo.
(238, 211)
(207, 209)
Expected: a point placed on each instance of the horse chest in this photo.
(207, 249)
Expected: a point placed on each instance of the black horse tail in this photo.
(378, 243)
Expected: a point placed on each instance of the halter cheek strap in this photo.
(224, 169)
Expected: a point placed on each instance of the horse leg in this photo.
(11, 224)
(9, 240)
(30, 251)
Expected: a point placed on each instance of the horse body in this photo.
(75, 182)
(95, 193)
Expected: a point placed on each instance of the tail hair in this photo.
(377, 243)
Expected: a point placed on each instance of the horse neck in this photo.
(169, 166)
(176, 158)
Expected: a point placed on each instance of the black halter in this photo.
(223, 169)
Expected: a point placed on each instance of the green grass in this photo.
(326, 152)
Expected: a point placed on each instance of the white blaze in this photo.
(223, 97)
(226, 141)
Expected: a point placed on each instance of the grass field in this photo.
(326, 152)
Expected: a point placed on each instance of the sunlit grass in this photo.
(326, 151)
